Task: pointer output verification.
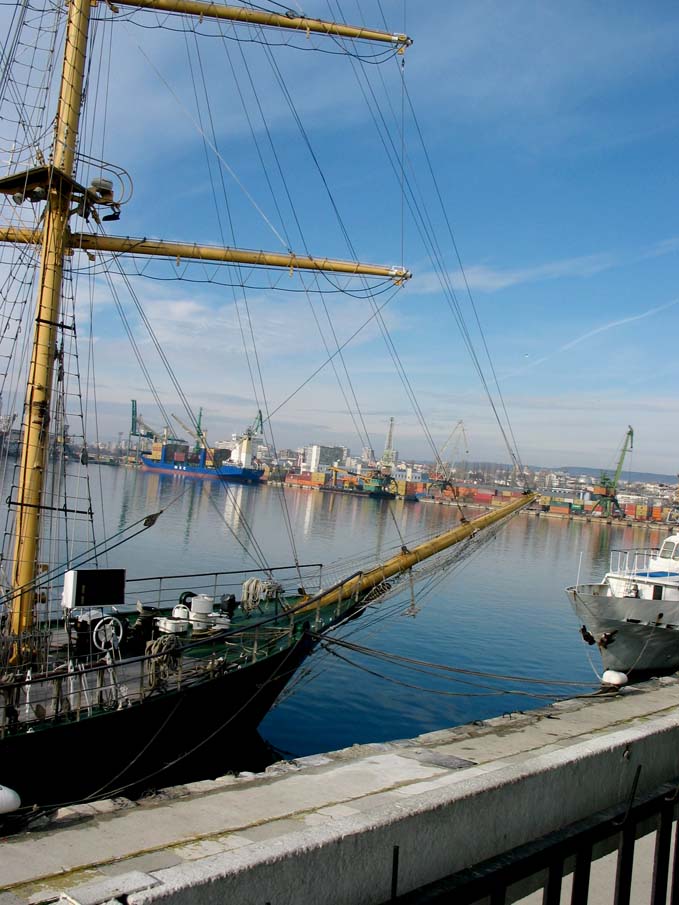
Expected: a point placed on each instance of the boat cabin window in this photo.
(667, 549)
(675, 555)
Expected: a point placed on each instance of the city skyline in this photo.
(289, 453)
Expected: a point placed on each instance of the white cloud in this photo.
(482, 278)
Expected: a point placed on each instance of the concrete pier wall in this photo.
(451, 825)
(324, 829)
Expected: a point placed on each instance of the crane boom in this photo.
(608, 502)
(139, 428)
(199, 435)
(629, 440)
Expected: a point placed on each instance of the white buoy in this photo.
(9, 800)
(613, 677)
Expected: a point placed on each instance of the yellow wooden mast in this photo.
(56, 240)
(407, 558)
(209, 253)
(260, 17)
(35, 440)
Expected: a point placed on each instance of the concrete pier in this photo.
(323, 828)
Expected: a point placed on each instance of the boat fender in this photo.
(185, 598)
(615, 678)
(9, 800)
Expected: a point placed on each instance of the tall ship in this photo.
(107, 678)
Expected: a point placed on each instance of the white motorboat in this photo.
(632, 615)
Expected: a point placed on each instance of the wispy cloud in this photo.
(482, 278)
(660, 249)
(583, 337)
(617, 323)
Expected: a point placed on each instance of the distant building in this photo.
(405, 472)
(287, 455)
(318, 458)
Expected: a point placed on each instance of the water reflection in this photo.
(503, 611)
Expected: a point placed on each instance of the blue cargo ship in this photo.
(176, 459)
(172, 456)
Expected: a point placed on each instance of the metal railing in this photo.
(629, 561)
(162, 591)
(543, 864)
(73, 689)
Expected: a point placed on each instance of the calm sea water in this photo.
(502, 612)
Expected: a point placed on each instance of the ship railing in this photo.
(163, 591)
(628, 562)
(78, 689)
(30, 702)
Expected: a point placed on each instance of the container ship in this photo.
(237, 465)
(176, 458)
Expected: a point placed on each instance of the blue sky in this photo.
(552, 129)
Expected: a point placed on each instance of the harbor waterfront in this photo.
(400, 787)
(503, 611)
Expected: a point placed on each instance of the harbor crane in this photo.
(256, 427)
(143, 431)
(139, 427)
(389, 454)
(458, 434)
(199, 435)
(608, 501)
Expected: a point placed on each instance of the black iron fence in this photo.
(571, 852)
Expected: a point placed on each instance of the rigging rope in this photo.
(487, 692)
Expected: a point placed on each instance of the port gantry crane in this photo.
(197, 432)
(143, 431)
(608, 501)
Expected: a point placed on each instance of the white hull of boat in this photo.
(632, 634)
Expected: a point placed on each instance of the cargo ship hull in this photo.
(374, 494)
(233, 473)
